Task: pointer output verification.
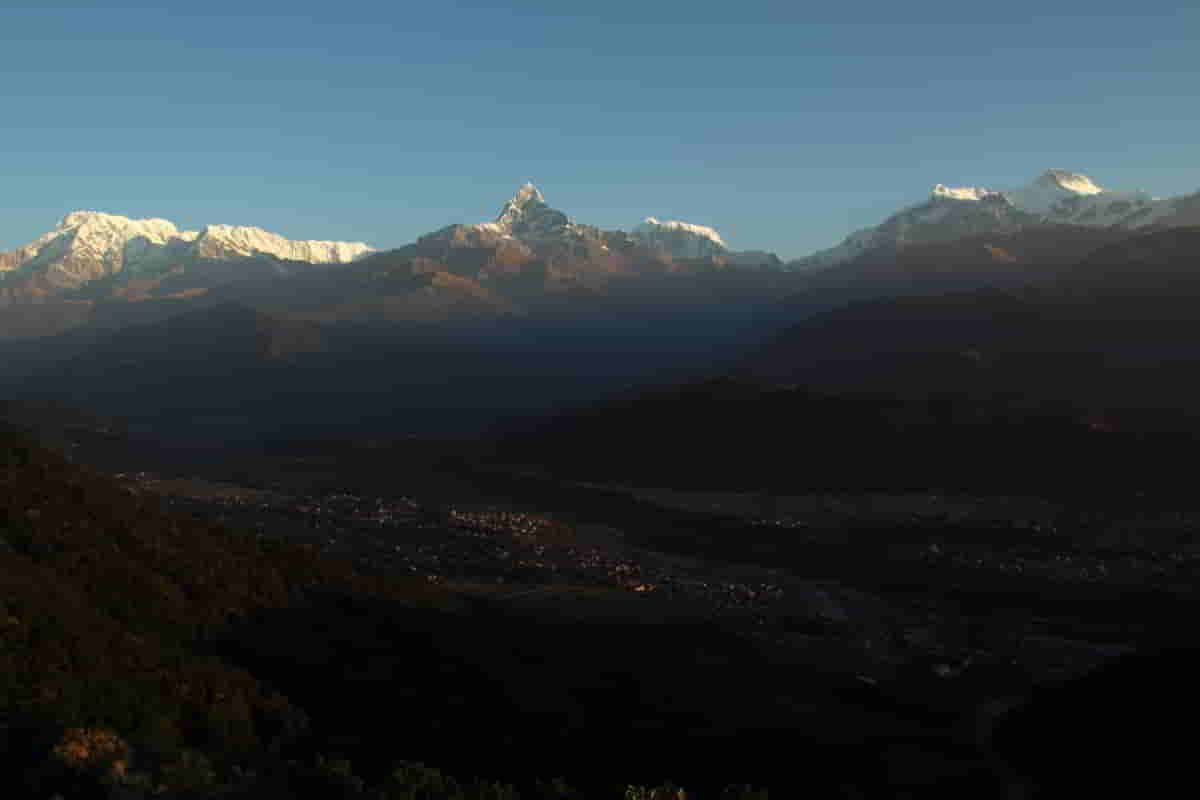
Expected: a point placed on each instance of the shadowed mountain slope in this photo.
(226, 332)
(1115, 329)
(1083, 381)
(988, 260)
(729, 435)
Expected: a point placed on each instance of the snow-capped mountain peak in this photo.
(527, 200)
(1056, 196)
(680, 239)
(96, 228)
(527, 215)
(1071, 181)
(86, 245)
(529, 220)
(526, 194)
(1048, 191)
(961, 192)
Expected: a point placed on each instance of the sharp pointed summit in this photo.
(526, 220)
(527, 193)
(527, 214)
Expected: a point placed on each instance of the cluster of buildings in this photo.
(399, 536)
(502, 545)
(528, 553)
(1141, 569)
(1096, 548)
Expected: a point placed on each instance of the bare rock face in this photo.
(470, 251)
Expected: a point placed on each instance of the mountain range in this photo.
(1055, 198)
(92, 266)
(532, 251)
(88, 245)
(1112, 336)
(532, 311)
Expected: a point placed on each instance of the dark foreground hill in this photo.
(150, 654)
(1071, 736)
(733, 435)
(110, 610)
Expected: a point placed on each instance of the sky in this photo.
(782, 125)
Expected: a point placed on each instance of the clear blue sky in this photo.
(782, 124)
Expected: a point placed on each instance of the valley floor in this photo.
(926, 616)
(867, 582)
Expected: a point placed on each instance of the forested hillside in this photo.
(110, 607)
(144, 653)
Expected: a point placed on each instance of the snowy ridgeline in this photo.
(1055, 196)
(89, 244)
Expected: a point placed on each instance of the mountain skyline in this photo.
(1055, 195)
(785, 128)
(89, 245)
